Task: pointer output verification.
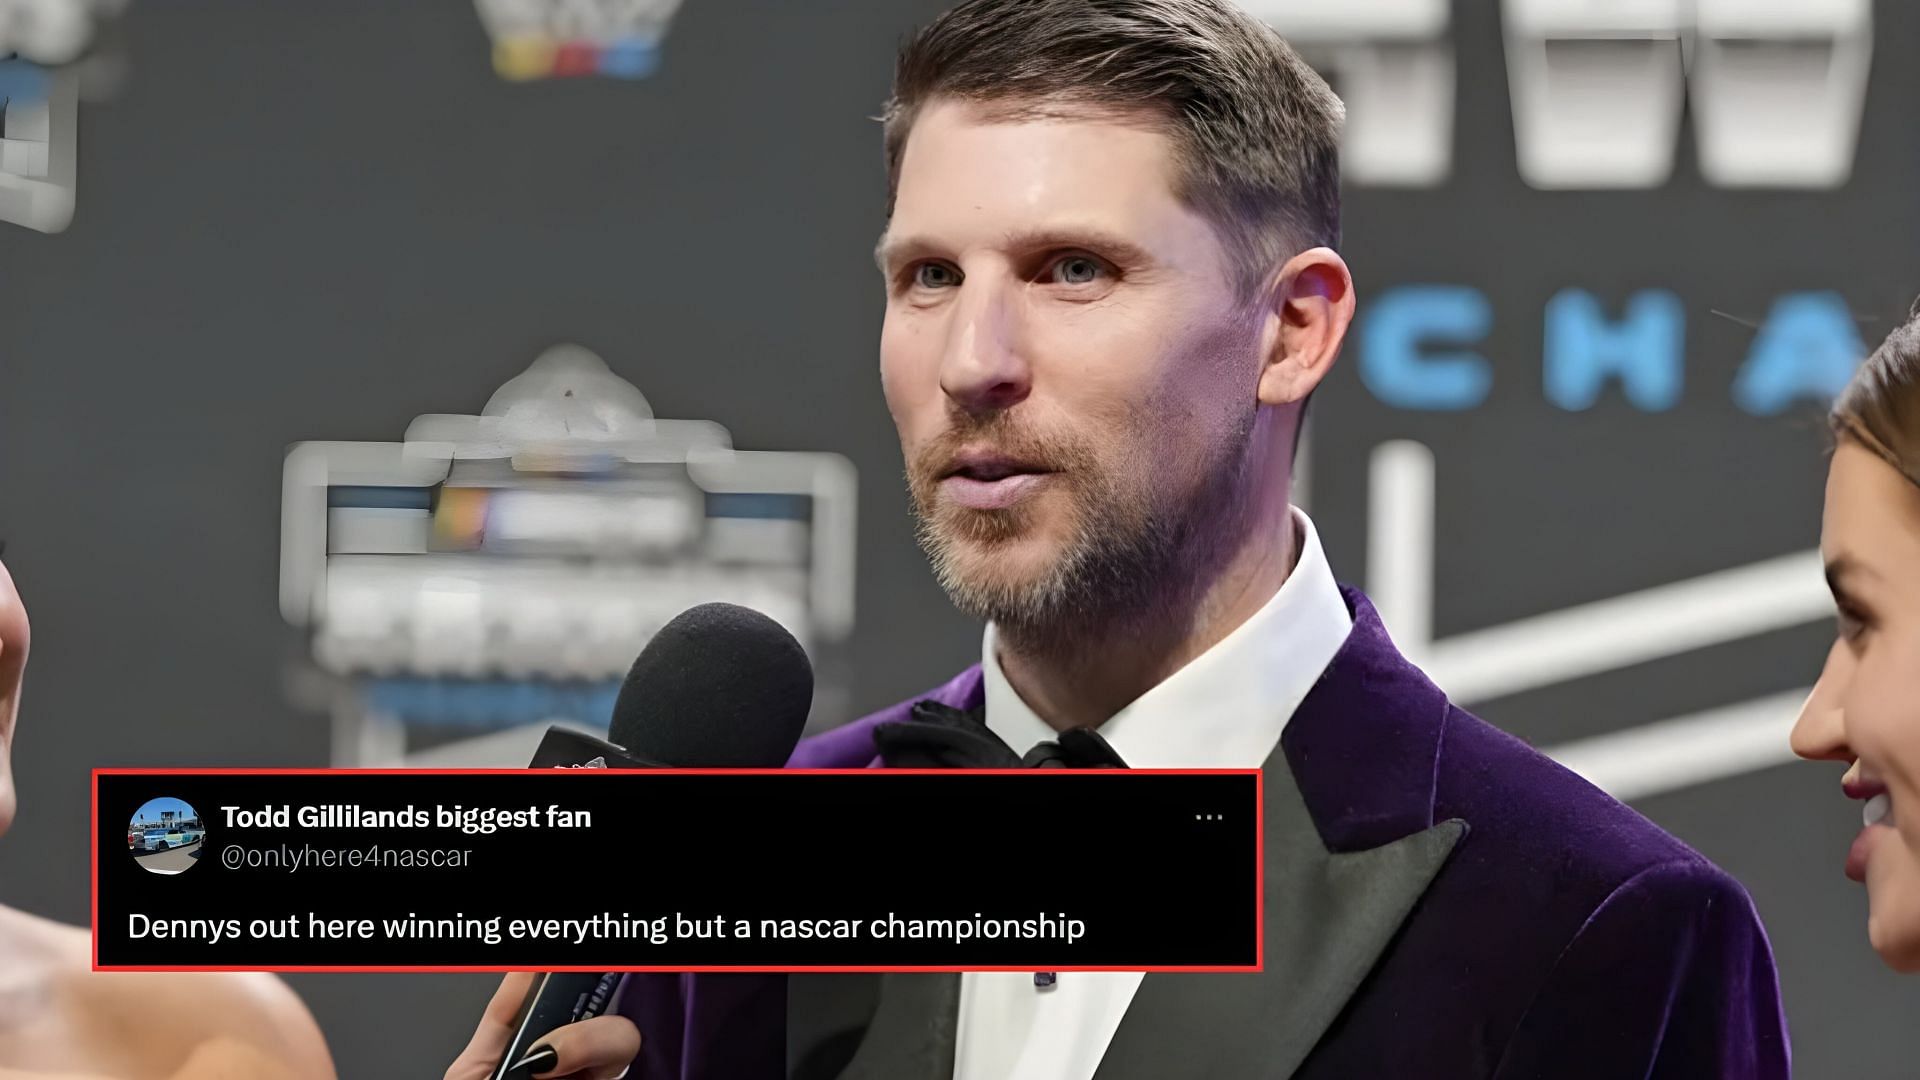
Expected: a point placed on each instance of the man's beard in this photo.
(1134, 559)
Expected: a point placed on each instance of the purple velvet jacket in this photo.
(1443, 902)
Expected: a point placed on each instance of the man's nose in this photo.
(1820, 734)
(984, 369)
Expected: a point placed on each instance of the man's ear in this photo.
(1308, 309)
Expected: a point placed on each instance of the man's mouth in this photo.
(982, 480)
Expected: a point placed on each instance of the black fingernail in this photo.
(538, 1059)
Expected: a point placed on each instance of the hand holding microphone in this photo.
(597, 1049)
(719, 686)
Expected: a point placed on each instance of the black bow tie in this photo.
(943, 737)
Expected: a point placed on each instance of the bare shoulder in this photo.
(260, 1010)
(249, 1017)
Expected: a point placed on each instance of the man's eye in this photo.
(1077, 270)
(935, 276)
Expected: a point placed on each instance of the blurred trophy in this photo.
(50, 56)
(543, 39)
(489, 575)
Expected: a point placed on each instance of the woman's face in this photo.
(13, 661)
(1865, 710)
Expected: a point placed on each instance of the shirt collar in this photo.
(1227, 707)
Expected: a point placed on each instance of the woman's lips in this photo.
(1861, 851)
(1860, 786)
(1876, 818)
(996, 494)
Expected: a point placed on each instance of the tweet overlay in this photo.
(680, 870)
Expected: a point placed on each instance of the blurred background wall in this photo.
(304, 220)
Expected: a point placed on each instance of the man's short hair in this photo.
(1256, 132)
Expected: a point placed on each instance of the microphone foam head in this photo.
(721, 686)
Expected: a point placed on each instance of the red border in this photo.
(1260, 869)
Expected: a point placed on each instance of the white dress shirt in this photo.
(1223, 710)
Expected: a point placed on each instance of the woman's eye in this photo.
(1076, 270)
(1852, 624)
(935, 276)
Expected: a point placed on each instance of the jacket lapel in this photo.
(1351, 846)
(1328, 918)
(913, 1030)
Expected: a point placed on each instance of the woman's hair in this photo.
(1880, 408)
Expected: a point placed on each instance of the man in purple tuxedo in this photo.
(1111, 286)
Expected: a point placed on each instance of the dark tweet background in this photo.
(318, 220)
(942, 835)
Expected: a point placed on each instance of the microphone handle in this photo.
(557, 998)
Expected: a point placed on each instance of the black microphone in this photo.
(719, 687)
